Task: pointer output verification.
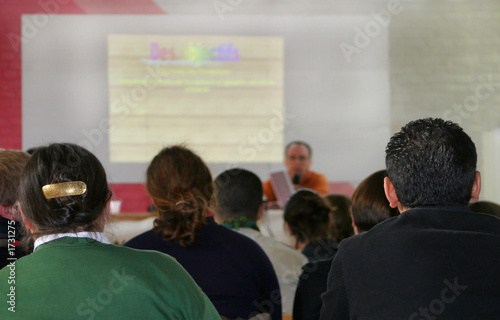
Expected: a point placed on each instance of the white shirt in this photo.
(287, 263)
(98, 236)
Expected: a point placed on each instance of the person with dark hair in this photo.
(238, 194)
(232, 269)
(12, 163)
(74, 271)
(435, 259)
(487, 207)
(307, 218)
(297, 161)
(369, 204)
(341, 227)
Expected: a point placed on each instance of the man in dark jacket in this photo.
(437, 259)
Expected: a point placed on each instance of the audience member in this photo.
(437, 258)
(239, 205)
(297, 161)
(232, 269)
(307, 217)
(369, 203)
(487, 207)
(74, 272)
(12, 163)
(340, 207)
(369, 207)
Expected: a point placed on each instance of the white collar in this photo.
(98, 236)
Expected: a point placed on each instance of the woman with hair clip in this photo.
(74, 272)
(231, 268)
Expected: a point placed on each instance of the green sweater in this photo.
(80, 278)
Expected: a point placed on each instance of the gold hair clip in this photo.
(64, 189)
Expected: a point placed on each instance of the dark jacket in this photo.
(427, 263)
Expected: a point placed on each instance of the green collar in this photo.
(237, 223)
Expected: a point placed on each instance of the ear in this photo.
(476, 187)
(288, 229)
(390, 193)
(26, 222)
(260, 213)
(356, 231)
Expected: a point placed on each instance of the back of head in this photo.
(431, 162)
(486, 207)
(180, 185)
(239, 194)
(67, 212)
(308, 216)
(12, 163)
(369, 203)
(341, 216)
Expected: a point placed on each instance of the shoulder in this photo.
(151, 259)
(235, 238)
(318, 267)
(272, 245)
(317, 177)
(143, 240)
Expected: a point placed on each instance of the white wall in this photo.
(337, 101)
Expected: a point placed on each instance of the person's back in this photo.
(368, 207)
(231, 269)
(239, 207)
(439, 262)
(74, 272)
(73, 278)
(436, 259)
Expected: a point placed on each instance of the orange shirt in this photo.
(312, 180)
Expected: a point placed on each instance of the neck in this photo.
(299, 245)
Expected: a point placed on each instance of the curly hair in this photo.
(181, 187)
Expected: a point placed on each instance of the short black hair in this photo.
(431, 162)
(300, 143)
(238, 193)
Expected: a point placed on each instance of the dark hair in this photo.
(308, 216)
(486, 207)
(12, 163)
(56, 163)
(238, 193)
(180, 185)
(369, 203)
(300, 143)
(431, 162)
(341, 227)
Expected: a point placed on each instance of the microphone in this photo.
(296, 178)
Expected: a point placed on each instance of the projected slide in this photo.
(221, 95)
